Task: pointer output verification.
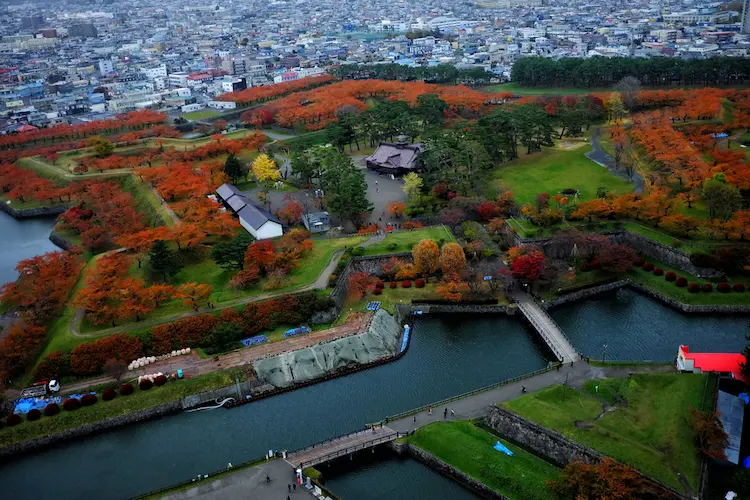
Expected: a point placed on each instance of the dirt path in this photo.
(597, 155)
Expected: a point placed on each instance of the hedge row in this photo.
(682, 282)
(72, 404)
(194, 331)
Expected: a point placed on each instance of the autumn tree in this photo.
(102, 147)
(357, 284)
(412, 185)
(528, 266)
(451, 288)
(709, 433)
(115, 368)
(291, 213)
(452, 258)
(396, 208)
(265, 169)
(607, 480)
(616, 259)
(193, 293)
(426, 256)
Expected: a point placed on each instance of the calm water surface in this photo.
(447, 356)
(21, 239)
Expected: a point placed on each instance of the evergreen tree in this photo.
(234, 168)
(162, 260)
(345, 188)
(231, 254)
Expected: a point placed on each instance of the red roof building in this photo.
(705, 362)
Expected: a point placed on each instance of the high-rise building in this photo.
(34, 22)
(83, 30)
(745, 18)
(105, 67)
(236, 65)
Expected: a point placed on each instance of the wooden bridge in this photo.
(340, 446)
(548, 329)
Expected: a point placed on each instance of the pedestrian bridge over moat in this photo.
(547, 328)
(340, 446)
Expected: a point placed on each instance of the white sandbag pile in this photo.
(147, 360)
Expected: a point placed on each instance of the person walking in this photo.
(523, 389)
(289, 488)
(294, 487)
(453, 412)
(445, 414)
(415, 419)
(429, 412)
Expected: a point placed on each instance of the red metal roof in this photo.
(716, 362)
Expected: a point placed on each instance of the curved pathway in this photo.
(320, 282)
(599, 156)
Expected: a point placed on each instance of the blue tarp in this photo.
(296, 331)
(258, 339)
(373, 306)
(406, 338)
(501, 447)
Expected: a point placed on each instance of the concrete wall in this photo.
(25, 213)
(549, 444)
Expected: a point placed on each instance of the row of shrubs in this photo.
(72, 404)
(380, 285)
(682, 282)
(88, 359)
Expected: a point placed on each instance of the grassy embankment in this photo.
(470, 450)
(650, 428)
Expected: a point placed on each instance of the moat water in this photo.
(21, 239)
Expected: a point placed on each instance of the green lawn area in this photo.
(659, 284)
(201, 114)
(518, 89)
(405, 240)
(121, 405)
(470, 449)
(652, 432)
(551, 170)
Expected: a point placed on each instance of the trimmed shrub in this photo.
(51, 410)
(377, 291)
(681, 282)
(648, 266)
(109, 395)
(707, 287)
(160, 380)
(145, 384)
(694, 288)
(723, 287)
(126, 389)
(33, 415)
(12, 420)
(89, 399)
(380, 285)
(670, 276)
(658, 271)
(71, 404)
(406, 284)
(392, 284)
(738, 287)
(419, 283)
(638, 262)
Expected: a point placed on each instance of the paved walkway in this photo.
(598, 155)
(478, 405)
(247, 483)
(550, 332)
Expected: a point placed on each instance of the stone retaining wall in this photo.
(448, 470)
(26, 213)
(548, 444)
(14, 450)
(372, 265)
(60, 241)
(584, 293)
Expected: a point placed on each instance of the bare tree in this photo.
(115, 368)
(628, 87)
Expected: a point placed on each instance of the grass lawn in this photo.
(470, 449)
(518, 89)
(121, 405)
(201, 114)
(659, 284)
(27, 204)
(550, 171)
(405, 240)
(653, 432)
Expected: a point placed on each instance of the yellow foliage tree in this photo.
(426, 257)
(452, 258)
(265, 169)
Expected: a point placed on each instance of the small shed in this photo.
(258, 222)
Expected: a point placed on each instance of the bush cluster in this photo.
(33, 415)
(392, 284)
(377, 291)
(658, 271)
(723, 287)
(51, 410)
(707, 287)
(639, 262)
(126, 389)
(694, 288)
(406, 284)
(89, 399)
(670, 276)
(738, 287)
(160, 380)
(648, 266)
(419, 283)
(71, 404)
(12, 419)
(145, 384)
(109, 394)
(681, 282)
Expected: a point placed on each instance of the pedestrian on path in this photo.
(523, 389)
(289, 488)
(415, 419)
(429, 412)
(294, 487)
(445, 414)
(453, 412)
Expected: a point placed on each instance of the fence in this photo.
(407, 413)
